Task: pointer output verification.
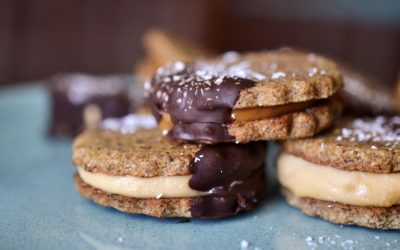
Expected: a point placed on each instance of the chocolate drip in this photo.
(232, 173)
(231, 201)
(199, 105)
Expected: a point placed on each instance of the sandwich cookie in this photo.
(145, 173)
(246, 97)
(350, 175)
(80, 101)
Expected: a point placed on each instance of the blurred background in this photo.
(41, 38)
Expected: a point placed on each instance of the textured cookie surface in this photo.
(165, 207)
(286, 76)
(369, 145)
(294, 125)
(115, 153)
(373, 217)
(280, 77)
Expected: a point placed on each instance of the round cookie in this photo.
(161, 178)
(348, 175)
(246, 97)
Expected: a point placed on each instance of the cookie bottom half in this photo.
(299, 124)
(372, 217)
(170, 207)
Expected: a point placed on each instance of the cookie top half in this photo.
(356, 144)
(207, 101)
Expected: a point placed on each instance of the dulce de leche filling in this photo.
(252, 114)
(306, 179)
(249, 114)
(153, 187)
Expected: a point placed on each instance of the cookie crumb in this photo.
(244, 244)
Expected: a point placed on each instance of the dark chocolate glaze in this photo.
(241, 198)
(67, 115)
(199, 106)
(234, 176)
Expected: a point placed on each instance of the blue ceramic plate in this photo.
(40, 208)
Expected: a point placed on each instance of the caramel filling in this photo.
(165, 124)
(306, 179)
(250, 114)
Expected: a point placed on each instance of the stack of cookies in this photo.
(206, 159)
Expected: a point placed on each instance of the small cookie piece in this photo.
(349, 175)
(80, 101)
(144, 172)
(247, 97)
(162, 47)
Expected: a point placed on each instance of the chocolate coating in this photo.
(240, 198)
(199, 107)
(234, 176)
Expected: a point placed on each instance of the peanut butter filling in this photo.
(306, 179)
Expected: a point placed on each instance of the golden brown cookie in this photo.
(348, 175)
(167, 207)
(373, 217)
(234, 97)
(144, 172)
(355, 144)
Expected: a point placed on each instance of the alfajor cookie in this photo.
(349, 175)
(80, 101)
(145, 173)
(246, 97)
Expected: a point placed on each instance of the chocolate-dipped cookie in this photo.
(246, 97)
(349, 175)
(80, 101)
(145, 173)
